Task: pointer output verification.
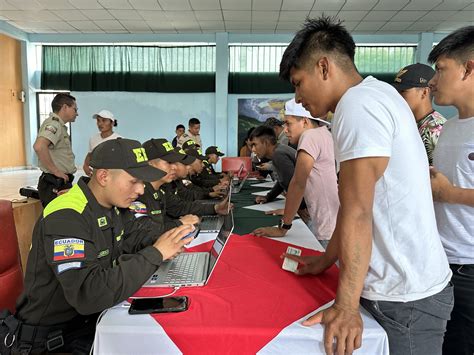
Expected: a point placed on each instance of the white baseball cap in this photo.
(294, 109)
(104, 114)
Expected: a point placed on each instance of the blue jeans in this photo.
(459, 337)
(415, 327)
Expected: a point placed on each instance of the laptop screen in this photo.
(220, 241)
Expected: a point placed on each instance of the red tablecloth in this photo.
(248, 300)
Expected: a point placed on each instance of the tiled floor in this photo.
(12, 181)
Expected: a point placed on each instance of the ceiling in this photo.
(249, 16)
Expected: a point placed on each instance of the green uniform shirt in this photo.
(54, 130)
(84, 259)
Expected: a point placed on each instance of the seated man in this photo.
(177, 205)
(152, 203)
(213, 155)
(412, 83)
(208, 177)
(88, 255)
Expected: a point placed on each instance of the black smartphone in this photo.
(193, 234)
(158, 305)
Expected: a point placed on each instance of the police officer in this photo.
(194, 127)
(88, 255)
(160, 201)
(53, 147)
(153, 202)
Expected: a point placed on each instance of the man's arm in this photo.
(444, 191)
(353, 235)
(86, 167)
(41, 147)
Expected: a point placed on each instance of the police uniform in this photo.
(208, 177)
(84, 259)
(176, 206)
(55, 131)
(189, 136)
(188, 191)
(154, 205)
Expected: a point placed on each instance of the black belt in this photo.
(27, 335)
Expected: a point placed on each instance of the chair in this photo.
(234, 164)
(11, 276)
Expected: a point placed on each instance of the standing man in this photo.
(194, 126)
(386, 239)
(314, 176)
(179, 132)
(105, 123)
(412, 83)
(88, 254)
(453, 180)
(53, 147)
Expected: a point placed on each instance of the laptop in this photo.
(213, 223)
(192, 269)
(236, 188)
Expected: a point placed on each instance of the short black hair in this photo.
(180, 126)
(458, 45)
(325, 35)
(60, 100)
(264, 132)
(193, 121)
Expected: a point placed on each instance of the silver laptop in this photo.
(213, 223)
(236, 188)
(192, 269)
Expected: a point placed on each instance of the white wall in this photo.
(142, 115)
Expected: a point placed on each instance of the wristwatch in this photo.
(282, 225)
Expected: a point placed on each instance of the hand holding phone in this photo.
(158, 305)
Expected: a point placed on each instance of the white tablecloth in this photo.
(119, 333)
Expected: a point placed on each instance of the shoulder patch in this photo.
(68, 248)
(51, 129)
(138, 209)
(68, 266)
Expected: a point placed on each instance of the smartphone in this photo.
(193, 234)
(158, 305)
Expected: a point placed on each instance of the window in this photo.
(43, 107)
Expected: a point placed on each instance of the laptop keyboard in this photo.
(210, 223)
(182, 270)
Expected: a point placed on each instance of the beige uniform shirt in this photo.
(187, 136)
(54, 130)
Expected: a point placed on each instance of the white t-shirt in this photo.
(96, 139)
(454, 157)
(408, 261)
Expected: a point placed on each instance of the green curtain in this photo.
(128, 68)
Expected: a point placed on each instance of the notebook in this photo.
(192, 269)
(236, 188)
(213, 223)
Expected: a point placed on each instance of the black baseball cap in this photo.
(195, 152)
(162, 149)
(413, 76)
(214, 150)
(126, 154)
(188, 144)
(188, 159)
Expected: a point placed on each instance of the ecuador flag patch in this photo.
(67, 249)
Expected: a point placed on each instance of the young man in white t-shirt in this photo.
(386, 240)
(453, 179)
(105, 123)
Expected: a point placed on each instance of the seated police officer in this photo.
(88, 255)
(152, 203)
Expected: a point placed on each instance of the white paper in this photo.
(265, 184)
(264, 193)
(264, 207)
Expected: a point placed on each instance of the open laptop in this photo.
(192, 269)
(213, 223)
(236, 188)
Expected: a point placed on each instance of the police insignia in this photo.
(102, 221)
(137, 207)
(71, 248)
(51, 129)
